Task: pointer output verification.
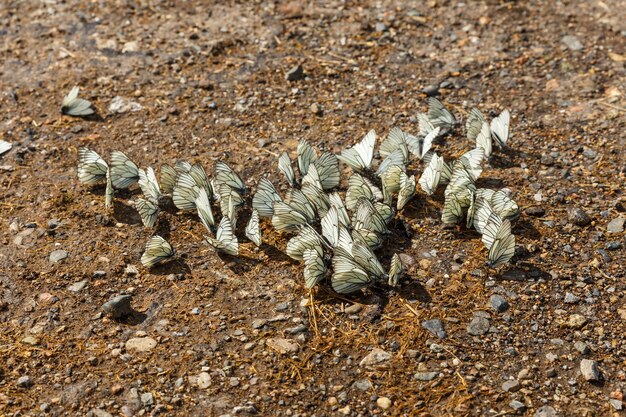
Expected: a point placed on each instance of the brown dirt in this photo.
(211, 79)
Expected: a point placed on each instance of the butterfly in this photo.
(479, 213)
(201, 179)
(342, 214)
(390, 180)
(359, 186)
(328, 170)
(203, 205)
(452, 212)
(157, 250)
(359, 157)
(504, 205)
(498, 238)
(365, 258)
(407, 190)
(108, 192)
(253, 230)
(500, 128)
(348, 276)
(483, 140)
(149, 185)
(330, 226)
(264, 198)
(284, 166)
(286, 218)
(185, 192)
(306, 157)
(148, 211)
(124, 172)
(424, 124)
(317, 197)
(224, 175)
(5, 146)
(298, 201)
(314, 266)
(229, 204)
(474, 124)
(168, 178)
(395, 140)
(439, 115)
(395, 270)
(307, 238)
(74, 106)
(431, 177)
(421, 146)
(91, 167)
(395, 158)
(225, 240)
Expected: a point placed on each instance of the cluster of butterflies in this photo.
(331, 230)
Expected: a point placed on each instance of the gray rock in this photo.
(613, 245)
(24, 381)
(118, 307)
(57, 255)
(78, 286)
(535, 211)
(570, 298)
(123, 105)
(578, 216)
(511, 385)
(99, 274)
(498, 303)
(380, 27)
(546, 411)
(435, 326)
(431, 90)
(551, 373)
(97, 412)
(147, 399)
(353, 309)
(362, 384)
(572, 42)
(616, 225)
(282, 346)
(616, 404)
(140, 344)
(376, 356)
(425, 376)
(204, 380)
(582, 347)
(258, 323)
(478, 326)
(518, 406)
(295, 74)
(589, 369)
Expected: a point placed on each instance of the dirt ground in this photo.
(216, 335)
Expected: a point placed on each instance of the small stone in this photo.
(535, 211)
(353, 309)
(576, 321)
(204, 380)
(345, 410)
(425, 376)
(131, 270)
(362, 384)
(258, 323)
(546, 411)
(511, 385)
(478, 326)
(332, 401)
(78, 286)
(122, 105)
(578, 216)
(294, 74)
(572, 42)
(582, 347)
(589, 369)
(147, 399)
(316, 109)
(613, 245)
(551, 373)
(141, 344)
(24, 381)
(435, 326)
(616, 404)
(118, 307)
(616, 225)
(380, 27)
(570, 298)
(98, 412)
(30, 340)
(132, 46)
(282, 346)
(431, 90)
(57, 255)
(117, 389)
(234, 382)
(376, 356)
(383, 403)
(518, 406)
(498, 303)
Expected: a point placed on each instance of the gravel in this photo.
(511, 385)
(478, 326)
(435, 326)
(498, 303)
(589, 369)
(384, 403)
(578, 216)
(140, 344)
(57, 255)
(375, 357)
(118, 307)
(582, 347)
(518, 406)
(570, 298)
(282, 346)
(616, 225)
(425, 376)
(546, 411)
(294, 74)
(572, 43)
(24, 381)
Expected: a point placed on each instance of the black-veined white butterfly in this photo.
(422, 145)
(395, 158)
(229, 204)
(385, 211)
(483, 140)
(312, 177)
(390, 180)
(474, 124)
(424, 124)
(330, 226)
(108, 192)
(367, 217)
(328, 170)
(314, 266)
(306, 157)
(124, 172)
(431, 177)
(348, 276)
(284, 166)
(452, 212)
(203, 205)
(298, 201)
(74, 106)
(91, 167)
(307, 238)
(504, 205)
(498, 239)
(5, 146)
(201, 179)
(342, 214)
(407, 190)
(148, 211)
(359, 186)
(366, 259)
(182, 166)
(185, 192)
(253, 229)
(149, 185)
(168, 178)
(439, 115)
(317, 197)
(500, 128)
(264, 198)
(157, 250)
(286, 218)
(225, 240)
(359, 157)
(395, 140)
(224, 175)
(395, 270)
(480, 213)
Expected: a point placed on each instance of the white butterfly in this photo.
(439, 115)
(395, 158)
(348, 276)
(306, 157)
(284, 166)
(149, 185)
(307, 238)
(395, 140)
(407, 190)
(395, 270)
(385, 211)
(157, 250)
(253, 230)
(224, 175)
(168, 178)
(328, 170)
(148, 211)
(230, 200)
(185, 192)
(108, 193)
(431, 177)
(424, 124)
(317, 197)
(483, 140)
(225, 240)
(390, 180)
(504, 205)
(421, 146)
(359, 157)
(201, 179)
(298, 201)
(359, 186)
(452, 212)
(264, 198)
(368, 223)
(342, 214)
(330, 226)
(286, 218)
(203, 205)
(182, 166)
(498, 239)
(500, 128)
(74, 106)
(314, 266)
(470, 162)
(91, 167)
(124, 172)
(366, 259)
(474, 124)
(480, 213)
(5, 146)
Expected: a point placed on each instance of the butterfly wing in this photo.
(148, 211)
(253, 230)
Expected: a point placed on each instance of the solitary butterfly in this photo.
(74, 106)
(157, 250)
(500, 128)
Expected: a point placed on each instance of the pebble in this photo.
(258, 323)
(141, 344)
(511, 385)
(498, 303)
(425, 376)
(570, 298)
(98, 412)
(294, 74)
(578, 216)
(380, 27)
(518, 406)
(616, 225)
(613, 245)
(535, 211)
(282, 346)
(431, 90)
(345, 410)
(582, 347)
(589, 369)
(576, 321)
(551, 373)
(374, 357)
(147, 399)
(131, 270)
(385, 403)
(78, 286)
(122, 105)
(316, 109)
(118, 307)
(30, 340)
(24, 381)
(478, 326)
(546, 411)
(616, 404)
(362, 384)
(572, 42)
(204, 380)
(57, 255)
(353, 309)
(435, 326)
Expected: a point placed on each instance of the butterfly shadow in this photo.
(526, 229)
(125, 213)
(275, 254)
(94, 117)
(372, 297)
(414, 290)
(239, 264)
(178, 265)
